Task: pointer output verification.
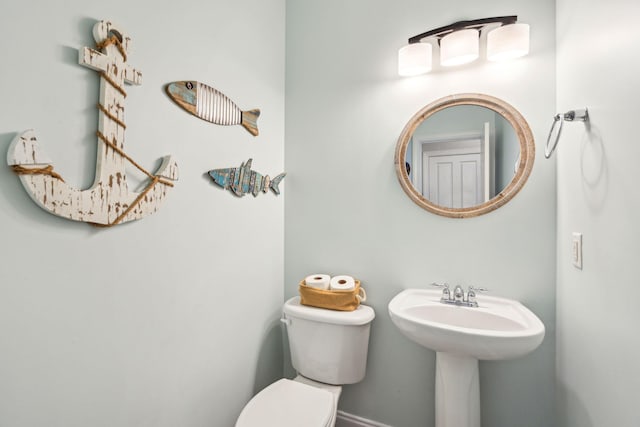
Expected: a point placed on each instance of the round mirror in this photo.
(464, 155)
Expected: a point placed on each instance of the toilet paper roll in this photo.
(342, 283)
(318, 281)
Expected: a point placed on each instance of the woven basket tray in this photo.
(332, 299)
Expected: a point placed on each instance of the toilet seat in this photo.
(287, 403)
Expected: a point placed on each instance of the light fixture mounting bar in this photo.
(476, 23)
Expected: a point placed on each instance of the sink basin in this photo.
(499, 328)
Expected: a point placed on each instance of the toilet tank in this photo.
(328, 346)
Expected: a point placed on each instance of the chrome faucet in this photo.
(446, 293)
(459, 297)
(458, 294)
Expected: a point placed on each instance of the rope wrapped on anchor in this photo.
(113, 40)
(120, 217)
(154, 180)
(111, 116)
(47, 170)
(101, 46)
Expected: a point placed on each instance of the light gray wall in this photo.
(507, 153)
(450, 121)
(170, 320)
(346, 213)
(598, 316)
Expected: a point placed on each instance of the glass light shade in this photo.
(414, 59)
(460, 47)
(508, 42)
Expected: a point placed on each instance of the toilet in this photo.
(328, 350)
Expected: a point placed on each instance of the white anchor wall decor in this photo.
(109, 201)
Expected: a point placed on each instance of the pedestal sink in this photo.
(499, 328)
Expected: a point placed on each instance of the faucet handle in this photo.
(440, 285)
(446, 293)
(471, 294)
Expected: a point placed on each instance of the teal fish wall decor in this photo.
(243, 180)
(212, 105)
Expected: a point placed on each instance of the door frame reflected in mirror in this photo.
(508, 112)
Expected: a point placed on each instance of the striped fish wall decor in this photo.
(212, 105)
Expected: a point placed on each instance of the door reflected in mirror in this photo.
(464, 155)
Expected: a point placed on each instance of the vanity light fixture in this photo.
(460, 44)
(460, 47)
(415, 59)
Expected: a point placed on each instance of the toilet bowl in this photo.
(291, 403)
(328, 349)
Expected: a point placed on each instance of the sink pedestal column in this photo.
(457, 391)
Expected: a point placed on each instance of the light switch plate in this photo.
(576, 250)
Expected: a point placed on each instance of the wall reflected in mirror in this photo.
(462, 156)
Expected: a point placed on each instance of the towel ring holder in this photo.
(581, 115)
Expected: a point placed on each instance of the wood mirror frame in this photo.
(525, 164)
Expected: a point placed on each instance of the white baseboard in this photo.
(348, 420)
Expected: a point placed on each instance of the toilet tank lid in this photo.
(360, 316)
